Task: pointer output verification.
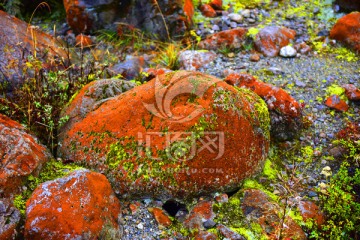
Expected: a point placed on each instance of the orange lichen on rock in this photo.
(20, 155)
(275, 98)
(81, 204)
(347, 30)
(207, 11)
(271, 39)
(336, 103)
(233, 38)
(154, 139)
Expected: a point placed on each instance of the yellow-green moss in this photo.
(335, 89)
(270, 170)
(252, 184)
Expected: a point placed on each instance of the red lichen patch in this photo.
(69, 207)
(153, 72)
(134, 207)
(352, 92)
(207, 11)
(271, 39)
(200, 213)
(233, 38)
(203, 235)
(258, 206)
(20, 156)
(347, 30)
(351, 132)
(275, 98)
(216, 4)
(336, 103)
(83, 41)
(77, 16)
(189, 11)
(9, 219)
(222, 198)
(181, 134)
(310, 210)
(161, 217)
(91, 96)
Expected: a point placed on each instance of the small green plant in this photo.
(341, 205)
(169, 56)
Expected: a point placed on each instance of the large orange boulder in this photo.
(347, 30)
(179, 135)
(233, 38)
(271, 39)
(79, 206)
(19, 43)
(285, 111)
(20, 156)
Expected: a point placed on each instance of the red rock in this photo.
(309, 210)
(216, 4)
(271, 39)
(336, 103)
(278, 101)
(172, 110)
(20, 154)
(222, 198)
(83, 41)
(193, 60)
(200, 213)
(161, 217)
(350, 132)
(134, 207)
(9, 219)
(77, 17)
(347, 30)
(228, 233)
(207, 11)
(352, 92)
(233, 38)
(81, 204)
(255, 57)
(302, 48)
(258, 206)
(203, 235)
(17, 43)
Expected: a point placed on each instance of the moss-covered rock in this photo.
(181, 134)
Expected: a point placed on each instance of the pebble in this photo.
(288, 52)
(140, 226)
(215, 28)
(246, 13)
(235, 17)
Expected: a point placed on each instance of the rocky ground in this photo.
(276, 202)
